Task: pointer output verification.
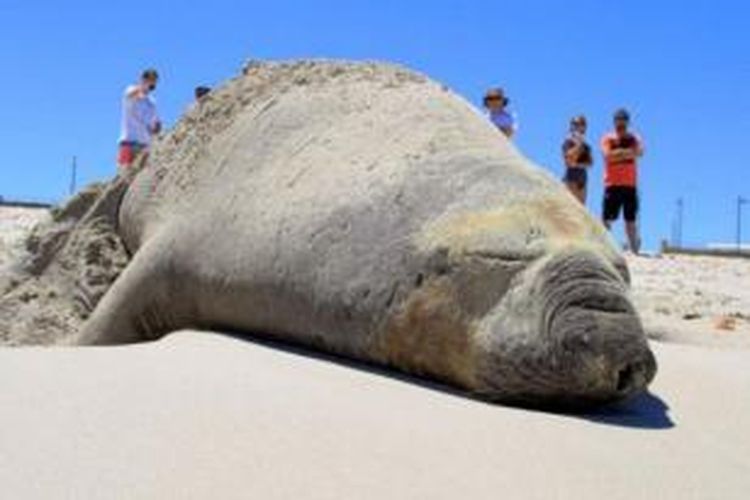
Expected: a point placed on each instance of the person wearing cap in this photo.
(496, 104)
(622, 149)
(578, 158)
(139, 125)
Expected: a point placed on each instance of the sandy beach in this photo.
(204, 415)
(200, 415)
(693, 299)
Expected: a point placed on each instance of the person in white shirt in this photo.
(140, 123)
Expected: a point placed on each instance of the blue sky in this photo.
(683, 68)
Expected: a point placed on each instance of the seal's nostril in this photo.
(625, 378)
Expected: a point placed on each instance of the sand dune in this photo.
(198, 415)
(15, 223)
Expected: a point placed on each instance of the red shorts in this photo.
(128, 151)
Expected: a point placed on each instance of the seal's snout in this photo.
(580, 342)
(634, 376)
(589, 318)
(629, 377)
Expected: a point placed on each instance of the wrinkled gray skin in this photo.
(364, 210)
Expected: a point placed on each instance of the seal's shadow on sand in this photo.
(646, 411)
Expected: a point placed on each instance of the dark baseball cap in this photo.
(150, 74)
(622, 114)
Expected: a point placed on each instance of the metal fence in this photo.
(25, 203)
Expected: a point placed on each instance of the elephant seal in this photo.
(367, 211)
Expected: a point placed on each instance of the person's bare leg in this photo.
(575, 191)
(579, 194)
(635, 242)
(139, 162)
(128, 171)
(571, 188)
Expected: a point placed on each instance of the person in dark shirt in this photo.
(578, 158)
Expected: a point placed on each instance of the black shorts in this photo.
(617, 197)
(576, 176)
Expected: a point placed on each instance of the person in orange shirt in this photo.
(622, 149)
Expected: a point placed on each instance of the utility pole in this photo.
(73, 169)
(740, 201)
(678, 229)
